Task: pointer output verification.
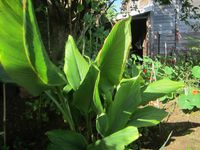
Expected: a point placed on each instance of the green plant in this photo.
(96, 23)
(196, 72)
(191, 97)
(39, 108)
(158, 68)
(187, 71)
(93, 92)
(189, 100)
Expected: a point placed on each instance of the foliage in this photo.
(33, 70)
(96, 23)
(38, 109)
(147, 116)
(61, 139)
(117, 140)
(196, 72)
(189, 100)
(185, 70)
(89, 22)
(153, 69)
(191, 97)
(94, 92)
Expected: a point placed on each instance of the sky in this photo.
(117, 3)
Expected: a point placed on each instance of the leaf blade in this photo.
(13, 43)
(75, 67)
(126, 100)
(147, 116)
(159, 89)
(62, 139)
(117, 140)
(112, 57)
(83, 96)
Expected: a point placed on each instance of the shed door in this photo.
(139, 38)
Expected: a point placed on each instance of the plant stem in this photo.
(48, 31)
(4, 113)
(58, 105)
(69, 115)
(70, 16)
(66, 109)
(63, 107)
(89, 128)
(90, 32)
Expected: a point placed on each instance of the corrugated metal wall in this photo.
(165, 40)
(166, 33)
(163, 29)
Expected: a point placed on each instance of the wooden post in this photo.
(4, 113)
(158, 36)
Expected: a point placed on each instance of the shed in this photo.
(157, 29)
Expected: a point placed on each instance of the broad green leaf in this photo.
(196, 72)
(22, 52)
(190, 100)
(63, 139)
(195, 100)
(76, 67)
(183, 102)
(83, 97)
(168, 70)
(117, 140)
(126, 100)
(35, 49)
(67, 88)
(147, 116)
(96, 97)
(159, 89)
(169, 96)
(163, 86)
(102, 124)
(112, 57)
(135, 71)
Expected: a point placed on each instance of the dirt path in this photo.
(186, 129)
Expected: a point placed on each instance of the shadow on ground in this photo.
(157, 136)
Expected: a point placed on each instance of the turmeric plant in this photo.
(103, 109)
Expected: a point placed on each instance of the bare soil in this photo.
(185, 128)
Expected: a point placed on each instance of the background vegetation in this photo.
(89, 22)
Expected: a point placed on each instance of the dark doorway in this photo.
(139, 31)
